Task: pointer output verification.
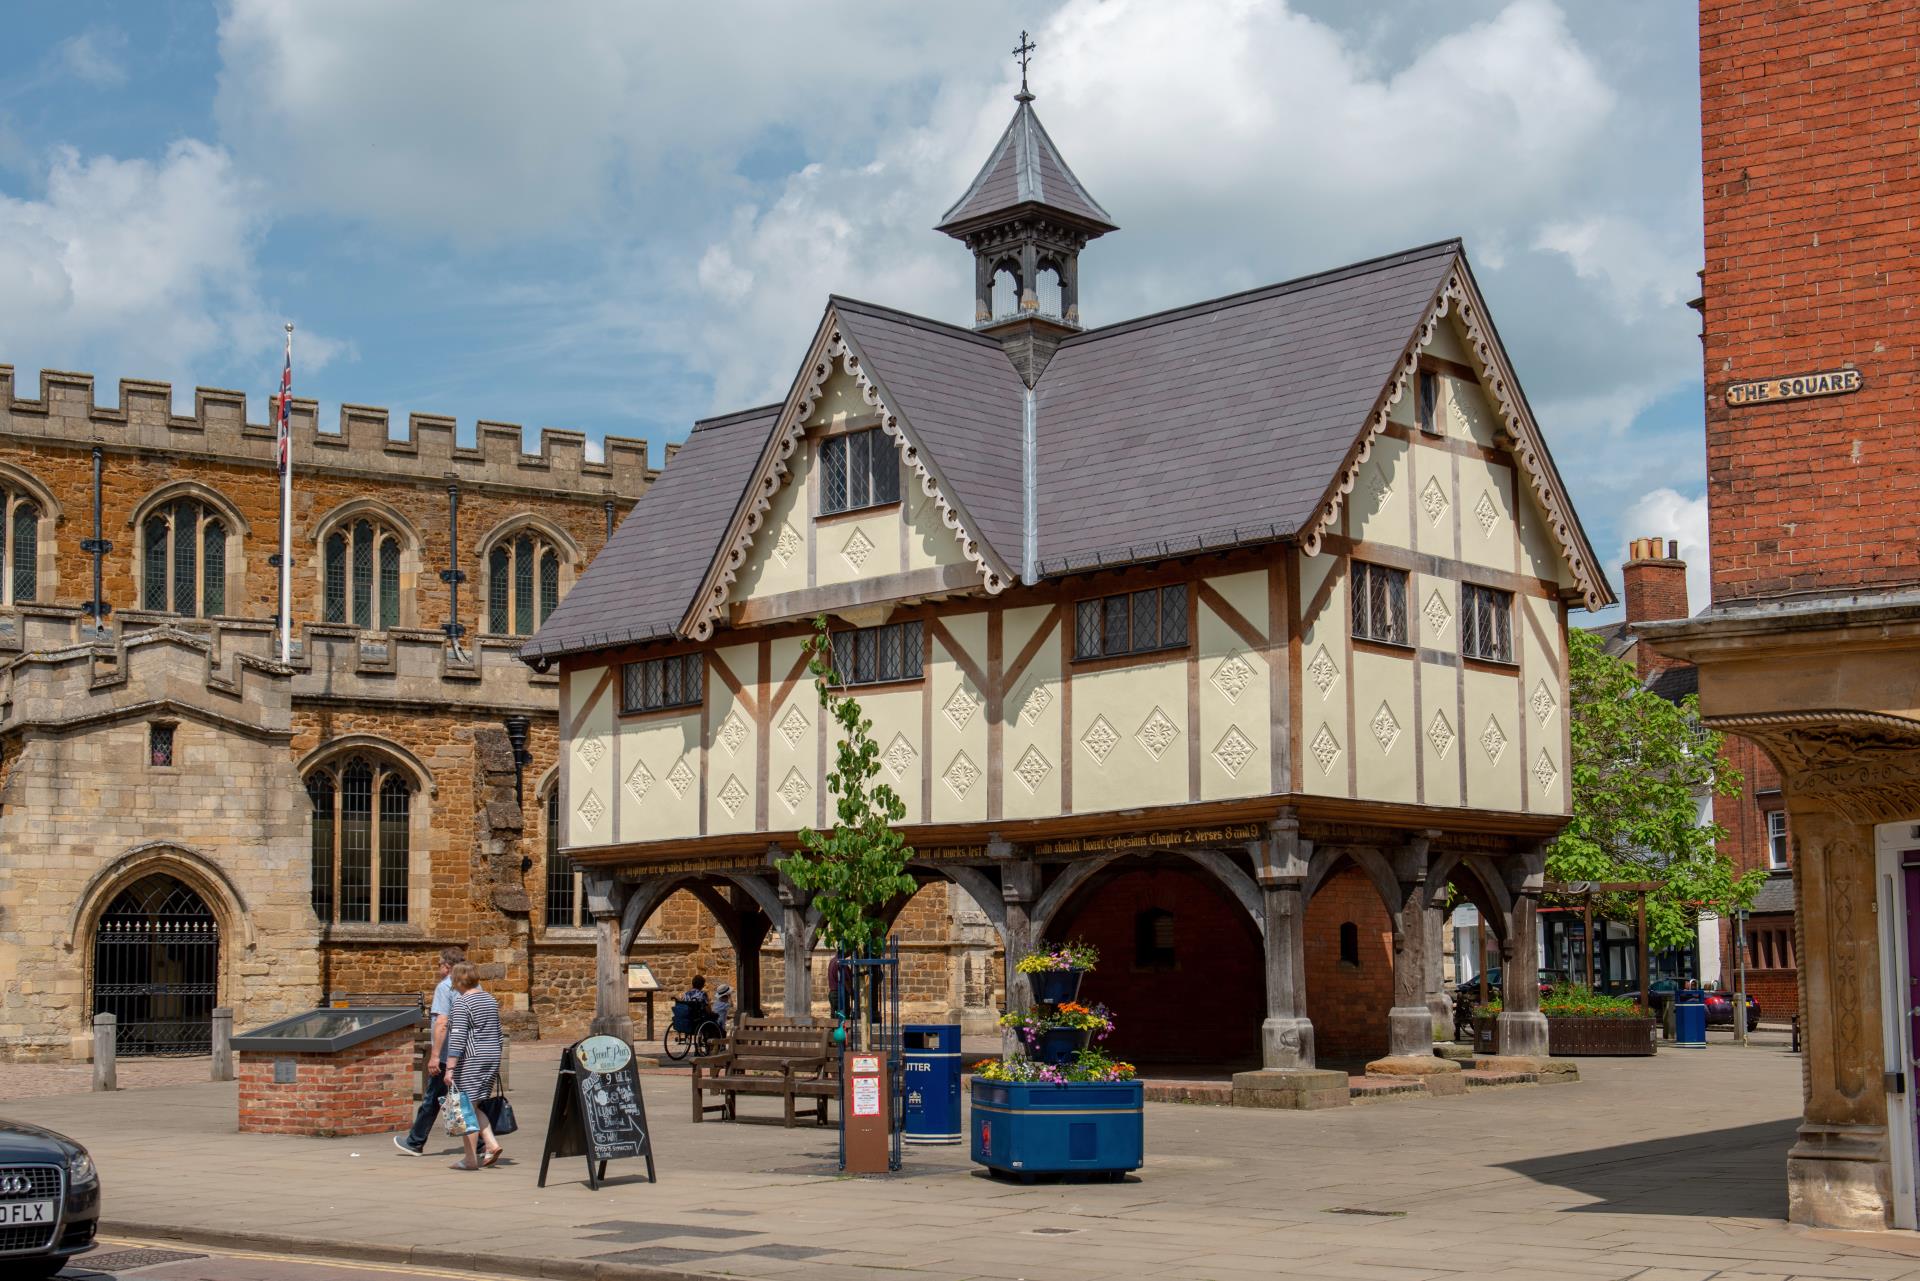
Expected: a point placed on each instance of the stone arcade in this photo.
(1232, 637)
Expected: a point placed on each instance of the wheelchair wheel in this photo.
(676, 1044)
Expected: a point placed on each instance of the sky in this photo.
(618, 216)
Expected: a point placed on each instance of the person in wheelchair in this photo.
(694, 1026)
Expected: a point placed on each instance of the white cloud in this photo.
(148, 265)
(94, 56)
(1665, 513)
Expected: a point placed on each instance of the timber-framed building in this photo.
(1230, 637)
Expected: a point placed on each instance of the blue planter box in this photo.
(1055, 987)
(1029, 1128)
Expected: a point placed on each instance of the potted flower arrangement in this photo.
(1057, 1035)
(1060, 1106)
(1054, 970)
(1579, 1022)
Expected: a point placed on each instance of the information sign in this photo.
(598, 1110)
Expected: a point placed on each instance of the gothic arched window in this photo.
(361, 809)
(360, 567)
(563, 878)
(523, 583)
(183, 551)
(19, 547)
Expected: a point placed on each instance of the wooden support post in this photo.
(1645, 952)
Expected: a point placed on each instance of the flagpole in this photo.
(286, 511)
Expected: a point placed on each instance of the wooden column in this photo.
(796, 945)
(1523, 1029)
(1410, 1022)
(606, 901)
(1019, 890)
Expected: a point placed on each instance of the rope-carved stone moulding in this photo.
(1458, 297)
(831, 350)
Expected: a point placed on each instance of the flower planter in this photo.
(1055, 987)
(1059, 1044)
(1569, 1037)
(1486, 1034)
(1085, 1127)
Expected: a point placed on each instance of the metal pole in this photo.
(286, 524)
(1643, 959)
(1740, 1001)
(97, 547)
(1480, 946)
(608, 505)
(452, 575)
(1587, 912)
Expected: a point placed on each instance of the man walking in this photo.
(414, 1142)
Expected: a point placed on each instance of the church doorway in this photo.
(156, 968)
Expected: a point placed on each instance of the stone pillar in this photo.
(223, 1044)
(796, 944)
(1523, 1029)
(1839, 1172)
(1439, 1006)
(606, 902)
(106, 1037)
(1287, 1077)
(1410, 1021)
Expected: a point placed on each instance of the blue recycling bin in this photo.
(1689, 1020)
(930, 1077)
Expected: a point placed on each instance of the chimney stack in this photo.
(1656, 588)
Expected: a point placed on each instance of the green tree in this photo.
(1640, 763)
(860, 866)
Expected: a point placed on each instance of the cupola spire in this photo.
(1026, 219)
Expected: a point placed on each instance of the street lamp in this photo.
(516, 727)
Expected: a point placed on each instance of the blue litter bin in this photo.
(1689, 1020)
(931, 1080)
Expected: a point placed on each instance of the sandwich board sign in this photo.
(598, 1110)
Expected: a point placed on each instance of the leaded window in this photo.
(183, 560)
(19, 548)
(1427, 401)
(360, 575)
(1141, 622)
(563, 878)
(859, 469)
(656, 683)
(870, 655)
(361, 841)
(1379, 603)
(523, 583)
(1486, 623)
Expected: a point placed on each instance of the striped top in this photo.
(473, 1038)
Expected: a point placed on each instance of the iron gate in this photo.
(156, 968)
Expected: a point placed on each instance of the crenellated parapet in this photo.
(219, 428)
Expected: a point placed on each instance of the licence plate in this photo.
(14, 1214)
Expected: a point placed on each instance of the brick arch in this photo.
(1348, 999)
(192, 868)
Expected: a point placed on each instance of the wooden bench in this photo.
(785, 1058)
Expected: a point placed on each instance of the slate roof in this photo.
(1223, 422)
(1025, 167)
(639, 586)
(1775, 895)
(1213, 425)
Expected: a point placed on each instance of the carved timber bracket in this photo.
(1864, 766)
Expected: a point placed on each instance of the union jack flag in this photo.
(286, 406)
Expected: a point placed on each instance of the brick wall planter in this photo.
(364, 1089)
(1572, 1037)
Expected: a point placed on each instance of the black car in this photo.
(49, 1200)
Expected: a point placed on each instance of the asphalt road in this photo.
(113, 1260)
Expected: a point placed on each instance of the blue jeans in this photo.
(429, 1112)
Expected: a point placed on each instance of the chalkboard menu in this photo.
(598, 1110)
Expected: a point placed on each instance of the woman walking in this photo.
(473, 1060)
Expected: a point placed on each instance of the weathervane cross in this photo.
(1022, 51)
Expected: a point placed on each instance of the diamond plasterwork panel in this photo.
(733, 732)
(899, 756)
(960, 706)
(1545, 771)
(858, 548)
(592, 749)
(1493, 740)
(961, 774)
(1233, 675)
(1386, 729)
(1543, 703)
(793, 791)
(1325, 748)
(1038, 700)
(639, 780)
(1433, 501)
(789, 545)
(1381, 487)
(680, 777)
(1033, 768)
(1486, 513)
(1099, 740)
(733, 794)
(1438, 616)
(1440, 734)
(794, 725)
(1233, 751)
(1156, 733)
(1324, 672)
(592, 808)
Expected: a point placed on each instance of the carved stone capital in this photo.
(1864, 766)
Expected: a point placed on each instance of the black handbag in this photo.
(499, 1113)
